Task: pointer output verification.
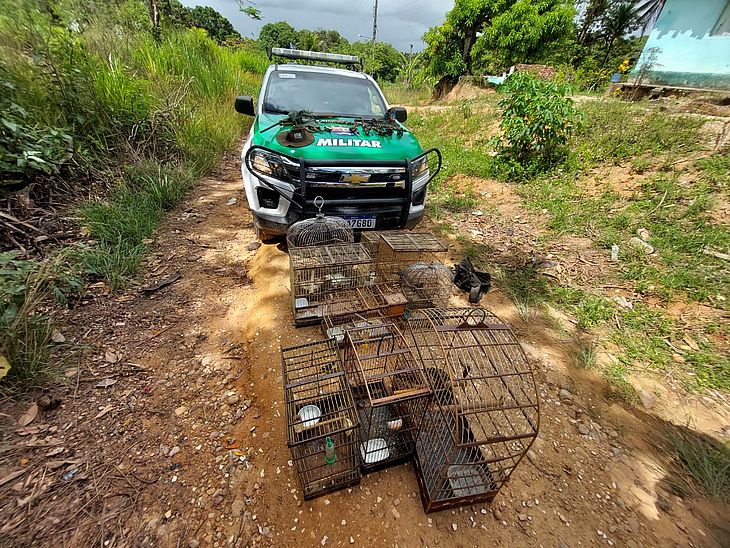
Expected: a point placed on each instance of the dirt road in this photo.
(171, 430)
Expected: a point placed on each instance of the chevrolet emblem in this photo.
(354, 178)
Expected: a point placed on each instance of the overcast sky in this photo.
(400, 22)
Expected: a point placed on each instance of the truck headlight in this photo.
(419, 173)
(269, 164)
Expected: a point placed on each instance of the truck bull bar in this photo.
(301, 198)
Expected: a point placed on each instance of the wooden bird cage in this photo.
(371, 241)
(484, 414)
(321, 420)
(319, 271)
(391, 393)
(351, 308)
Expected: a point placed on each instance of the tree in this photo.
(332, 41)
(308, 40)
(526, 31)
(647, 11)
(621, 18)
(218, 27)
(594, 10)
(449, 45)
(511, 30)
(383, 64)
(277, 35)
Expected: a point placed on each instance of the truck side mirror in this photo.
(244, 105)
(399, 113)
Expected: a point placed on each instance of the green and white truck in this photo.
(329, 134)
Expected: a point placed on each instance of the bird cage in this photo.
(400, 248)
(319, 271)
(371, 242)
(352, 308)
(426, 285)
(321, 420)
(319, 230)
(484, 414)
(391, 393)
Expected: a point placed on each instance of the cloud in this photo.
(400, 23)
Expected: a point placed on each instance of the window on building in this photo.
(722, 27)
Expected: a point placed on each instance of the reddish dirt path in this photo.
(187, 447)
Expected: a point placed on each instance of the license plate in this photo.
(360, 222)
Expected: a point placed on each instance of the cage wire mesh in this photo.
(484, 414)
(322, 423)
(426, 285)
(398, 249)
(319, 271)
(353, 307)
(371, 242)
(390, 390)
(319, 230)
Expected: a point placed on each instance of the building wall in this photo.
(694, 45)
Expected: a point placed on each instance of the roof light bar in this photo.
(315, 56)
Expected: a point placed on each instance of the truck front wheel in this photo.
(264, 236)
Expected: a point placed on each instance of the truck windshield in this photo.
(322, 93)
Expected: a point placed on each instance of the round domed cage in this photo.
(426, 285)
(319, 230)
(485, 411)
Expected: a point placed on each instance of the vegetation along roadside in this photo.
(105, 125)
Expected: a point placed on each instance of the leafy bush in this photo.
(537, 120)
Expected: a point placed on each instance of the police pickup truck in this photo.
(326, 138)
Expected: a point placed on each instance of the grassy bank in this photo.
(630, 167)
(114, 122)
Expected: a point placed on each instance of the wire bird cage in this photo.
(348, 308)
(319, 230)
(371, 241)
(317, 272)
(426, 285)
(322, 427)
(484, 415)
(398, 249)
(391, 393)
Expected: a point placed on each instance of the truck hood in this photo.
(334, 145)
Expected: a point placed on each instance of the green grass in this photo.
(463, 141)
(699, 465)
(127, 217)
(618, 130)
(400, 95)
(675, 208)
(140, 117)
(589, 310)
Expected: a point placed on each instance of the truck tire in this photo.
(266, 237)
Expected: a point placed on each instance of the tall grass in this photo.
(88, 95)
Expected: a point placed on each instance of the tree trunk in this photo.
(608, 50)
(469, 39)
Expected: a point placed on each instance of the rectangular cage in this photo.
(391, 393)
(398, 249)
(371, 241)
(347, 308)
(321, 419)
(319, 271)
(485, 411)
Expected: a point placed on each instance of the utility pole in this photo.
(375, 27)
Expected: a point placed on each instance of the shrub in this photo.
(537, 120)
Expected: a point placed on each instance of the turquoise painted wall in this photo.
(689, 55)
